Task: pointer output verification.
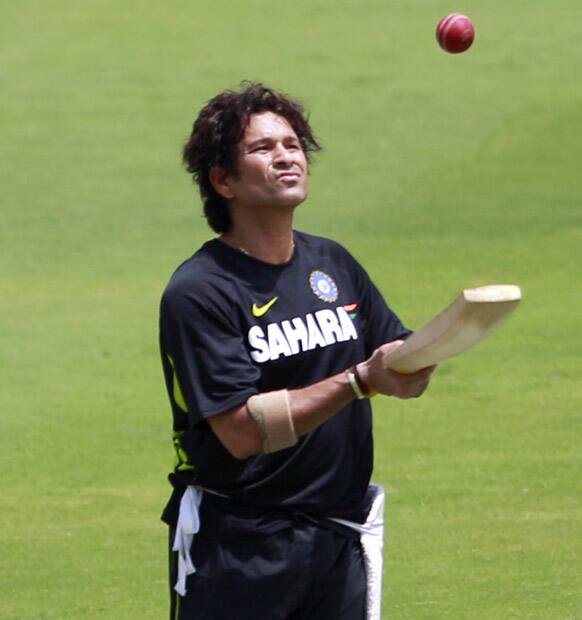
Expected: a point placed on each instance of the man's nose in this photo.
(282, 156)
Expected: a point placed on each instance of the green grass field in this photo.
(439, 172)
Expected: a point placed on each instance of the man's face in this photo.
(272, 166)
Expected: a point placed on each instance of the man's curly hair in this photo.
(218, 130)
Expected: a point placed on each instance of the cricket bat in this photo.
(472, 316)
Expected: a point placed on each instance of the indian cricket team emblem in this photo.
(323, 286)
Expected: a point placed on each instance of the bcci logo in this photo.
(323, 286)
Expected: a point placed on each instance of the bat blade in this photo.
(472, 316)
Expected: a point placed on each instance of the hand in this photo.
(390, 382)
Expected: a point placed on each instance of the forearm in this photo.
(310, 407)
(313, 405)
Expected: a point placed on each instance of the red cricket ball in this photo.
(455, 33)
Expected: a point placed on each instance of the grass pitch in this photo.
(439, 172)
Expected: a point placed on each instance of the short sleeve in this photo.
(380, 323)
(207, 366)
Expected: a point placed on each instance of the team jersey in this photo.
(232, 326)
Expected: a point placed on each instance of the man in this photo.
(271, 341)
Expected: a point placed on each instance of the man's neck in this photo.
(275, 248)
(268, 237)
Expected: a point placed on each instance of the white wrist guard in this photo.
(272, 413)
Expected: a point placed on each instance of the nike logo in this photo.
(259, 311)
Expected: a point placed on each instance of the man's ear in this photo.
(220, 180)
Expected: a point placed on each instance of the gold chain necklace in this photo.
(247, 253)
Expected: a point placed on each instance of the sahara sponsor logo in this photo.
(290, 337)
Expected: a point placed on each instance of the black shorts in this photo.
(300, 573)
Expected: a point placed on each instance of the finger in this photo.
(390, 346)
(427, 372)
(423, 373)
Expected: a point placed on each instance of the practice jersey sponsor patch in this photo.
(290, 337)
(323, 286)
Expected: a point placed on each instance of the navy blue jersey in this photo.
(232, 326)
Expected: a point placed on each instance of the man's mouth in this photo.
(288, 176)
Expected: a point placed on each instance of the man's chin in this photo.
(294, 197)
